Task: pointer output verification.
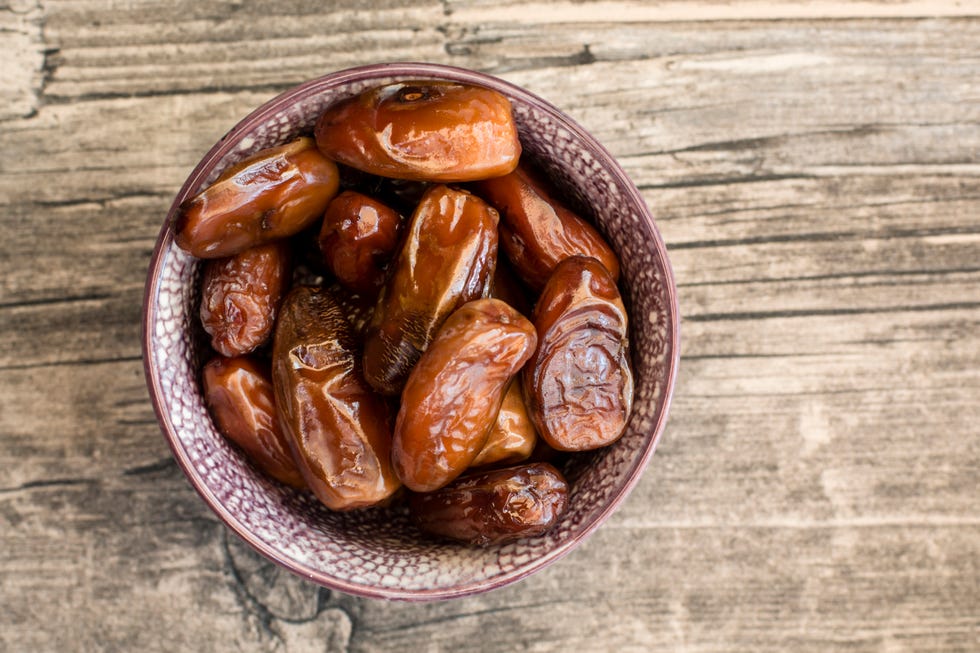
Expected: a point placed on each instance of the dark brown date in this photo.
(424, 130)
(446, 260)
(536, 231)
(512, 437)
(338, 429)
(240, 296)
(357, 308)
(453, 395)
(273, 194)
(507, 288)
(494, 507)
(239, 394)
(578, 385)
(358, 237)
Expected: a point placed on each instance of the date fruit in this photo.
(512, 437)
(240, 296)
(578, 385)
(536, 231)
(454, 393)
(447, 259)
(494, 507)
(239, 394)
(273, 194)
(358, 238)
(425, 131)
(339, 430)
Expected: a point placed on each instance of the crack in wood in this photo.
(265, 615)
(48, 301)
(727, 181)
(831, 277)
(828, 312)
(50, 483)
(826, 236)
(70, 363)
(232, 89)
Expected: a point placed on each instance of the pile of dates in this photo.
(368, 291)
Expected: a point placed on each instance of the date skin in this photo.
(512, 437)
(240, 296)
(338, 429)
(454, 393)
(273, 194)
(447, 259)
(424, 131)
(494, 507)
(358, 238)
(578, 385)
(536, 231)
(239, 394)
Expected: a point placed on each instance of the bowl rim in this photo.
(406, 70)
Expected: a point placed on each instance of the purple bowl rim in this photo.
(407, 70)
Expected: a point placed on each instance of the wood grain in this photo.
(815, 170)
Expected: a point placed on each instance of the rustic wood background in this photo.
(815, 170)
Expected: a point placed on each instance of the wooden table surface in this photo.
(815, 170)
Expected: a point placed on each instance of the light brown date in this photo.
(536, 231)
(358, 237)
(512, 437)
(273, 194)
(239, 394)
(578, 385)
(424, 131)
(494, 507)
(447, 259)
(454, 393)
(240, 296)
(338, 429)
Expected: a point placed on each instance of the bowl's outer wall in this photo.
(378, 552)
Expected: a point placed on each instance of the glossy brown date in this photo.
(339, 431)
(273, 194)
(240, 397)
(494, 507)
(578, 385)
(453, 395)
(512, 437)
(424, 131)
(358, 237)
(240, 296)
(446, 260)
(536, 231)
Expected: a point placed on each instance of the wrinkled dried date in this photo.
(239, 394)
(512, 437)
(425, 131)
(536, 231)
(338, 429)
(240, 295)
(272, 194)
(447, 259)
(454, 393)
(578, 385)
(494, 507)
(358, 237)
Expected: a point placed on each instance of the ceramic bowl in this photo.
(378, 552)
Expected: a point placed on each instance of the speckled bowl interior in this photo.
(379, 552)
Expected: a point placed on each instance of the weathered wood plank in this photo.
(24, 70)
(814, 169)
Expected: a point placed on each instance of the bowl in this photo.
(378, 552)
